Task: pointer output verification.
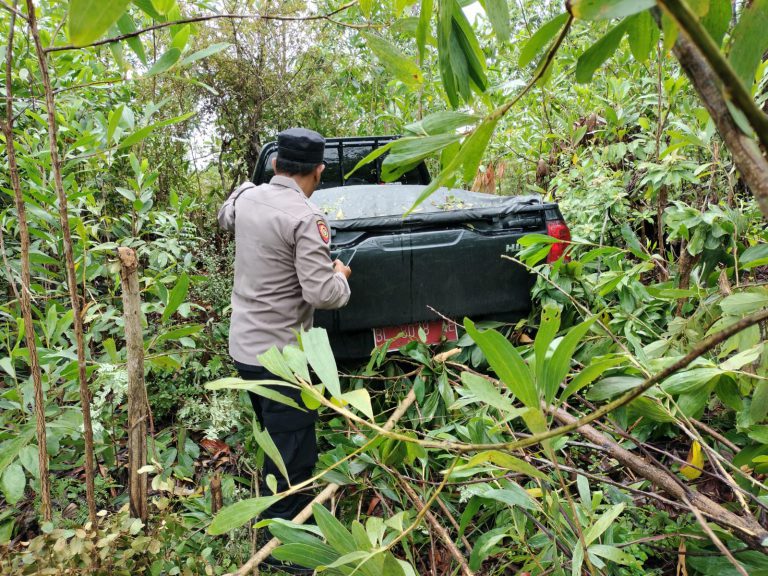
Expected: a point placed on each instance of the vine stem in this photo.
(69, 262)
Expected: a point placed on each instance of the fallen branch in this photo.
(265, 551)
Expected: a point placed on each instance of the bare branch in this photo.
(194, 19)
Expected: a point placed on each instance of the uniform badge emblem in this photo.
(324, 232)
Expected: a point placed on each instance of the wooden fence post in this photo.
(137, 394)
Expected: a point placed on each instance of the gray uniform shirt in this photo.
(283, 268)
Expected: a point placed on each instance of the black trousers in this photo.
(293, 432)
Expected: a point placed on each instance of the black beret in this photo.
(300, 145)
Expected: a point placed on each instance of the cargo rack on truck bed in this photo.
(341, 156)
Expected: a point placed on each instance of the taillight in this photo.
(558, 229)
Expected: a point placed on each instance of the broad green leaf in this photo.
(744, 302)
(168, 59)
(408, 151)
(308, 555)
(502, 460)
(10, 448)
(541, 38)
(13, 483)
(181, 37)
(718, 19)
(30, 459)
(670, 29)
(178, 333)
(599, 52)
(297, 361)
(443, 122)
(89, 19)
(754, 256)
(486, 392)
(365, 7)
(444, 34)
(512, 495)
(498, 14)
(559, 365)
(474, 147)
(114, 120)
(758, 409)
(334, 531)
(264, 440)
(358, 557)
(126, 25)
(373, 155)
(470, 47)
(320, 356)
(607, 9)
(176, 297)
(690, 380)
(359, 399)
(548, 327)
(204, 53)
(642, 34)
(603, 523)
(148, 9)
(394, 567)
(612, 553)
(484, 546)
(237, 514)
(258, 387)
(423, 29)
(506, 362)
(163, 6)
(577, 560)
(750, 41)
(589, 375)
(7, 365)
(397, 63)
(274, 361)
(613, 386)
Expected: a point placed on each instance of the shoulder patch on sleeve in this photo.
(325, 234)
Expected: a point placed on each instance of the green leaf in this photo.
(13, 483)
(513, 495)
(603, 523)
(126, 25)
(484, 546)
(334, 531)
(445, 64)
(30, 460)
(754, 256)
(442, 122)
(265, 442)
(589, 375)
(690, 380)
(396, 63)
(642, 34)
(308, 555)
(373, 155)
(176, 297)
(750, 41)
(10, 448)
(486, 392)
(502, 460)
(506, 362)
(541, 38)
(474, 146)
(163, 6)
(259, 387)
(744, 302)
(422, 31)
(718, 19)
(613, 386)
(498, 14)
(237, 514)
(607, 9)
(7, 365)
(612, 553)
(320, 356)
(548, 327)
(407, 151)
(204, 53)
(599, 52)
(365, 7)
(168, 59)
(89, 19)
(359, 399)
(148, 9)
(142, 133)
(470, 47)
(559, 365)
(178, 333)
(114, 120)
(274, 361)
(181, 37)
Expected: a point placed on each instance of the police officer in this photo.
(283, 271)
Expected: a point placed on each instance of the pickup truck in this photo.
(445, 257)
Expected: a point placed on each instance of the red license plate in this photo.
(434, 332)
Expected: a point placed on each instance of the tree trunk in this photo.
(25, 296)
(137, 394)
(69, 262)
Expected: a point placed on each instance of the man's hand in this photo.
(339, 266)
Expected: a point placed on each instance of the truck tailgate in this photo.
(447, 256)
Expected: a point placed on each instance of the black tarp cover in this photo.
(383, 206)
